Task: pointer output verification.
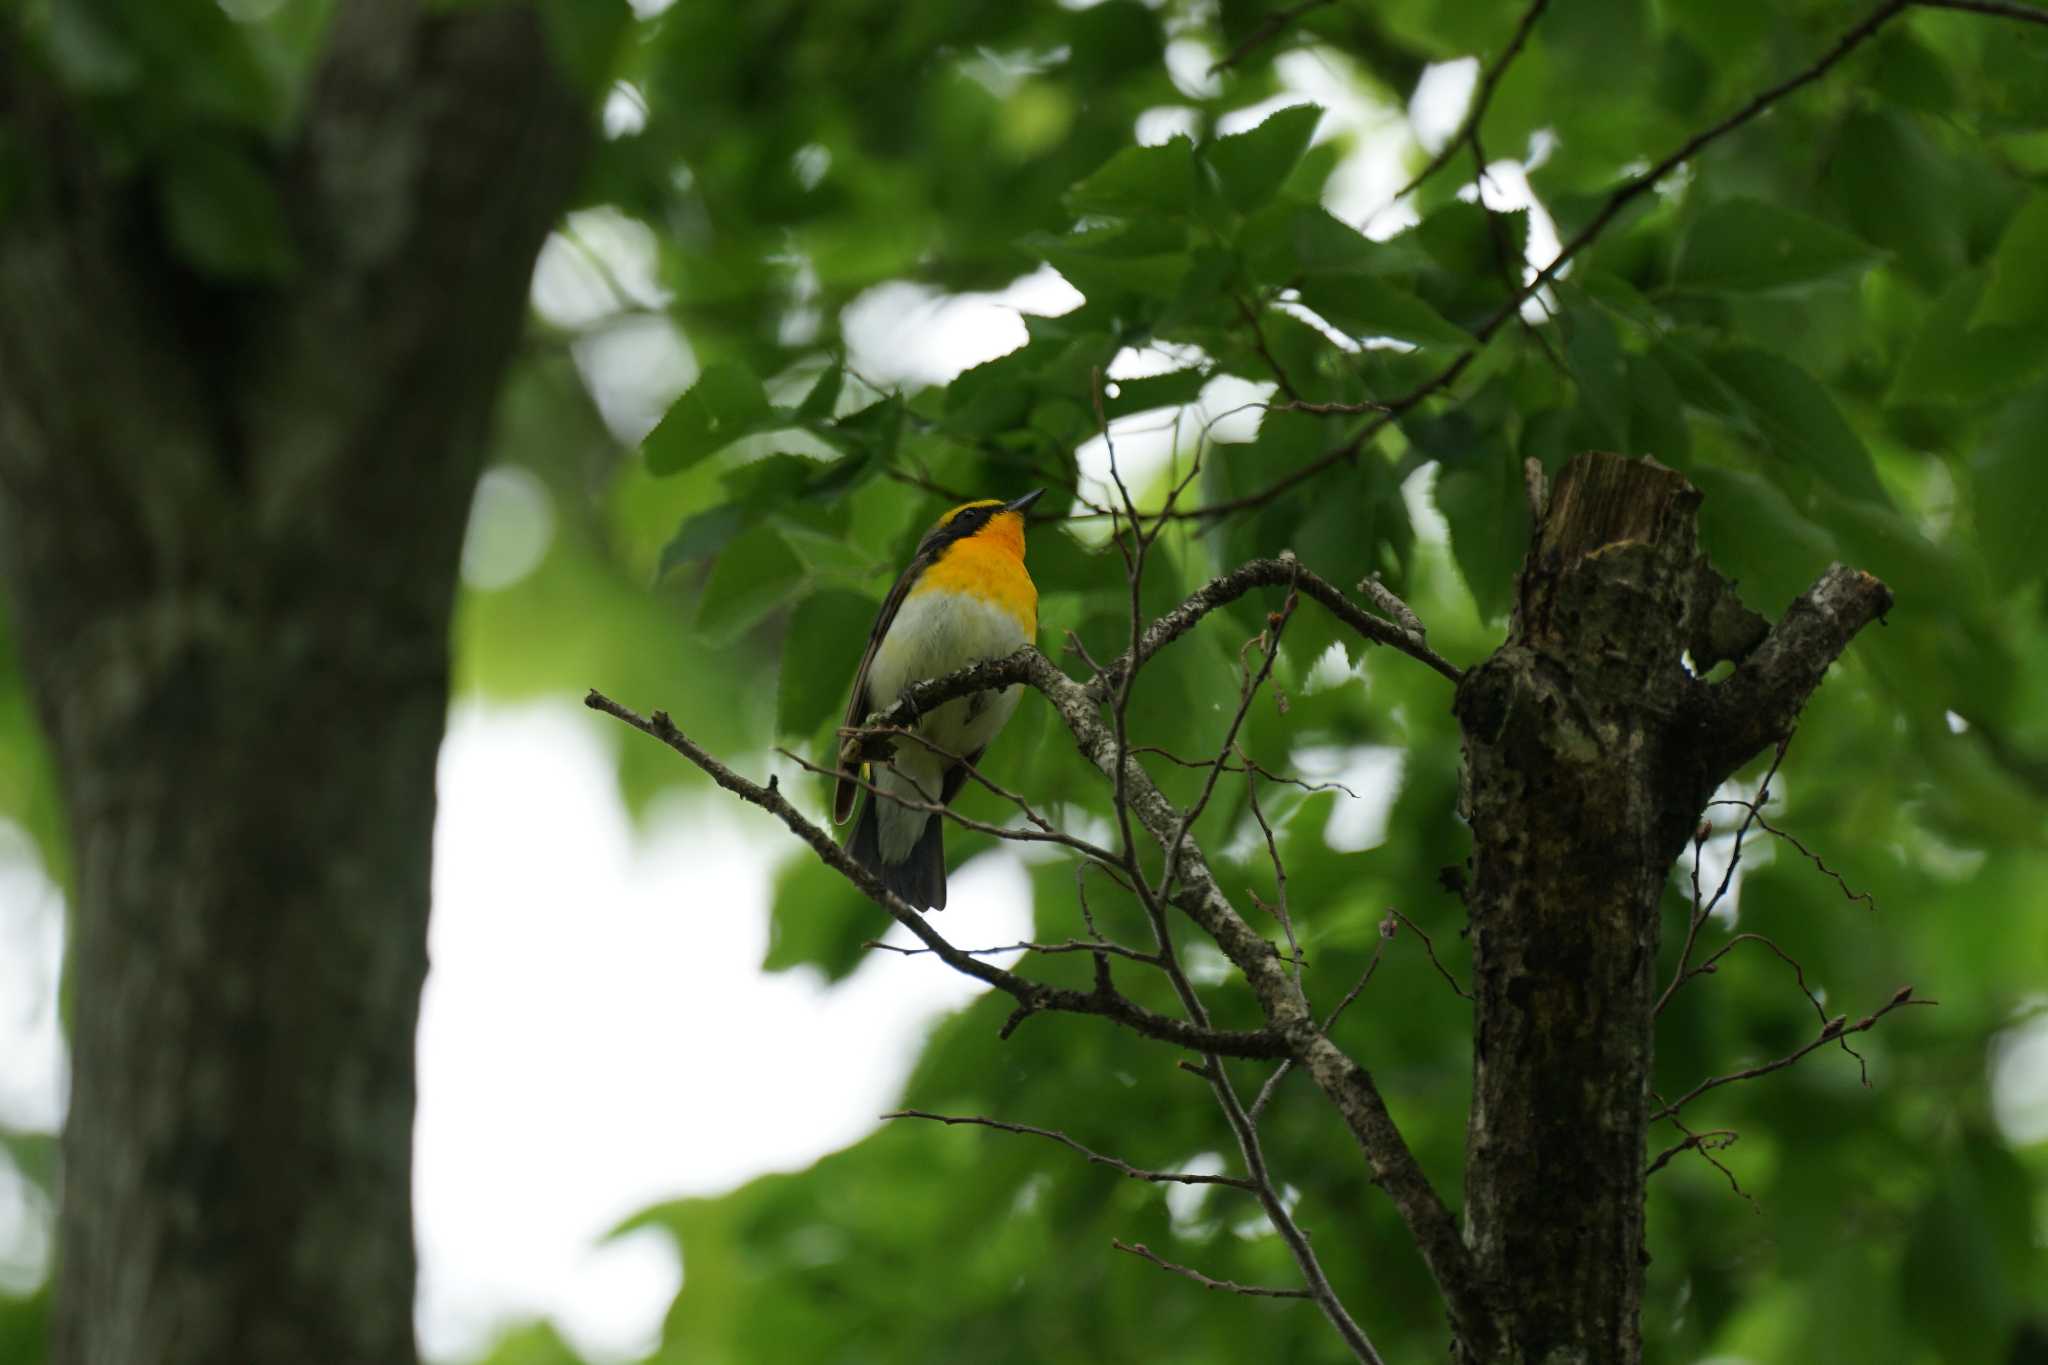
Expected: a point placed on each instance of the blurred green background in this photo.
(813, 219)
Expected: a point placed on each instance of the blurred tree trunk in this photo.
(231, 517)
(1590, 752)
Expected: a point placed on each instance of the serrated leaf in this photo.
(725, 404)
(1285, 240)
(1364, 307)
(223, 213)
(1749, 245)
(827, 634)
(754, 575)
(1140, 181)
(1251, 166)
(2018, 292)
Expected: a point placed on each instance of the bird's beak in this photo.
(1021, 505)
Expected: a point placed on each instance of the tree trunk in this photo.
(1591, 749)
(231, 519)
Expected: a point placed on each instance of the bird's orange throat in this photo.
(988, 565)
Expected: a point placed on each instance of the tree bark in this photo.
(231, 517)
(1590, 750)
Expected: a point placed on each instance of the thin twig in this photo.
(1114, 1163)
(1805, 852)
(1143, 1252)
(1429, 946)
(2029, 14)
(1610, 208)
(1031, 996)
(1482, 95)
(1372, 965)
(1043, 949)
(1279, 906)
(1270, 28)
(1833, 1029)
(1701, 911)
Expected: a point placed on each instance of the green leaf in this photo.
(703, 535)
(1484, 502)
(824, 394)
(1757, 537)
(1251, 166)
(753, 576)
(1593, 351)
(1952, 361)
(223, 213)
(1798, 419)
(1140, 181)
(1364, 307)
(827, 634)
(724, 404)
(1749, 245)
(1286, 240)
(818, 918)
(2009, 490)
(2018, 292)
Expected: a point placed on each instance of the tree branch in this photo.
(1274, 23)
(1292, 1030)
(1835, 1028)
(1031, 996)
(1145, 1253)
(1468, 127)
(2003, 9)
(1757, 705)
(1114, 1163)
(1619, 199)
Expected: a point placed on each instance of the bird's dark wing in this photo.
(859, 705)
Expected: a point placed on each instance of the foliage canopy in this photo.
(1832, 318)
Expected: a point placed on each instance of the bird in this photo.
(964, 598)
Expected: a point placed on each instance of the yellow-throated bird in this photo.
(964, 598)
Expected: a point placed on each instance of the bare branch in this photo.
(1265, 1094)
(1031, 996)
(1706, 1143)
(1759, 702)
(1611, 208)
(1114, 1163)
(1274, 23)
(1767, 827)
(1468, 127)
(1274, 573)
(1144, 1252)
(1072, 945)
(1830, 1031)
(2003, 9)
(1429, 946)
(1701, 910)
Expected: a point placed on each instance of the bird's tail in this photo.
(919, 878)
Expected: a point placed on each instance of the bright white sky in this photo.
(576, 1045)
